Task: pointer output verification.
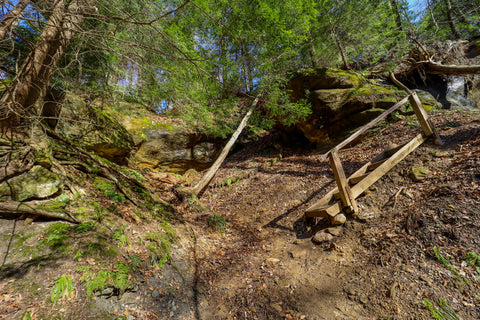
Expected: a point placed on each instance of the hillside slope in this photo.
(244, 251)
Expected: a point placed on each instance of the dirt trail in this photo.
(265, 266)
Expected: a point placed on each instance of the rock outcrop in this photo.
(341, 101)
(175, 151)
(93, 129)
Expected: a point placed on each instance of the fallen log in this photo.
(24, 208)
(214, 168)
(437, 68)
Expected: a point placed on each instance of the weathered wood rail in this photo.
(343, 197)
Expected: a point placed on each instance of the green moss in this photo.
(159, 247)
(169, 231)
(134, 173)
(56, 235)
(85, 227)
(52, 205)
(119, 234)
(98, 211)
(217, 222)
(19, 239)
(344, 77)
(100, 248)
(63, 289)
(429, 107)
(370, 89)
(44, 159)
(108, 189)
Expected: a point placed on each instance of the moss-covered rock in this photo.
(323, 78)
(37, 183)
(95, 130)
(428, 101)
(341, 101)
(174, 151)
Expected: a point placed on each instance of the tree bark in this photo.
(34, 76)
(11, 18)
(396, 11)
(214, 168)
(437, 68)
(346, 66)
(430, 9)
(451, 22)
(20, 207)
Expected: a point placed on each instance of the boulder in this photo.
(428, 100)
(175, 151)
(37, 183)
(341, 101)
(93, 129)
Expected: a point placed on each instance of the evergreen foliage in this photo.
(195, 59)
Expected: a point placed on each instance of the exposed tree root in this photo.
(22, 207)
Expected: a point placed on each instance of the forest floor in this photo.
(244, 250)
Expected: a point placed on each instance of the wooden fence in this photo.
(343, 197)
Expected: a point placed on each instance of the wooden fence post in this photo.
(346, 195)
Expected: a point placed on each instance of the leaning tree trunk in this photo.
(34, 76)
(11, 18)
(213, 169)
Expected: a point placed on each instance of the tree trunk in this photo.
(34, 76)
(396, 11)
(430, 9)
(437, 68)
(214, 168)
(312, 52)
(451, 22)
(11, 18)
(346, 66)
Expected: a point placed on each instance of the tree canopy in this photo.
(195, 59)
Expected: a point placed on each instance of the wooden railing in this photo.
(343, 197)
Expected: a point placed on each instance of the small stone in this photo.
(364, 215)
(155, 294)
(441, 154)
(277, 307)
(419, 174)
(296, 253)
(107, 291)
(321, 237)
(335, 231)
(339, 219)
(273, 260)
(425, 278)
(364, 299)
